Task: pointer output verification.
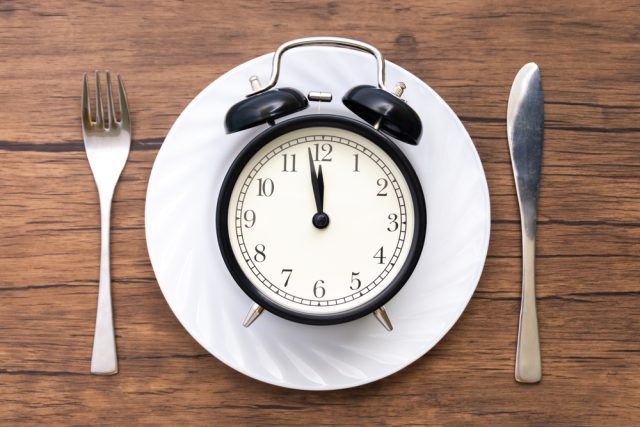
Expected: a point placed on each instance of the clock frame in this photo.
(377, 138)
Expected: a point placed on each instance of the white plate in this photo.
(181, 237)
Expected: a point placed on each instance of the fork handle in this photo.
(528, 363)
(104, 360)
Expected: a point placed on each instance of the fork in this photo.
(107, 145)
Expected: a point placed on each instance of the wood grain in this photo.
(469, 52)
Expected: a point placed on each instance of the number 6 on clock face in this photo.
(321, 219)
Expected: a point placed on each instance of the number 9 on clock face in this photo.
(321, 219)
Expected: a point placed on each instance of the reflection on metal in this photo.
(320, 96)
(254, 312)
(525, 128)
(323, 41)
(381, 315)
(255, 83)
(398, 89)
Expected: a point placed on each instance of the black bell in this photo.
(386, 111)
(264, 108)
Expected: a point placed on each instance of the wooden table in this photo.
(469, 52)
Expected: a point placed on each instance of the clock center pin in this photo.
(320, 220)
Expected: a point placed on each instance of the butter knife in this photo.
(525, 122)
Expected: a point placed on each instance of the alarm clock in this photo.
(321, 218)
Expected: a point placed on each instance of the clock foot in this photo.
(381, 315)
(254, 312)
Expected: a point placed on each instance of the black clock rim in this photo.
(362, 129)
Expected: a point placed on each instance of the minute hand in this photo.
(317, 182)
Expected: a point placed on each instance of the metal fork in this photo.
(107, 145)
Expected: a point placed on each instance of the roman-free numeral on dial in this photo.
(355, 282)
(323, 150)
(289, 163)
(382, 183)
(249, 217)
(265, 187)
(380, 255)
(260, 255)
(393, 222)
(287, 272)
(318, 289)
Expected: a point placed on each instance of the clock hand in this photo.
(321, 188)
(318, 190)
(320, 218)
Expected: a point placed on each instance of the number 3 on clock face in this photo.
(321, 219)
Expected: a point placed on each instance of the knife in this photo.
(525, 123)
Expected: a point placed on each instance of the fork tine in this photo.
(99, 111)
(110, 111)
(124, 106)
(84, 103)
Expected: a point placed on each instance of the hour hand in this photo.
(320, 219)
(317, 183)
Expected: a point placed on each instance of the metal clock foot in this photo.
(381, 315)
(254, 312)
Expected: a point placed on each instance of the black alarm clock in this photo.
(321, 218)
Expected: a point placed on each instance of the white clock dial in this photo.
(321, 271)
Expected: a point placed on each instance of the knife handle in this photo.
(528, 364)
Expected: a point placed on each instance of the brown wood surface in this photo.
(468, 51)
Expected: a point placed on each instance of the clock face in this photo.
(321, 219)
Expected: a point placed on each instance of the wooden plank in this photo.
(469, 52)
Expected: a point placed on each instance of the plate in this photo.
(182, 243)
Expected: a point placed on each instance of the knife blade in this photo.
(525, 125)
